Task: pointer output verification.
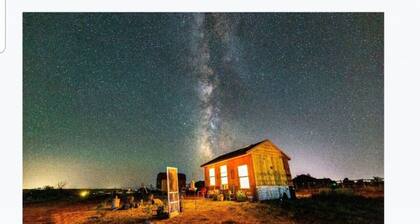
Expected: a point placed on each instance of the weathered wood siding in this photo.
(271, 167)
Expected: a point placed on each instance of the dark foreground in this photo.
(323, 208)
(336, 208)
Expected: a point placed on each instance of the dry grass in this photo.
(206, 211)
(194, 211)
(324, 208)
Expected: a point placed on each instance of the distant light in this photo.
(84, 194)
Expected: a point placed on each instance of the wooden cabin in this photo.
(260, 170)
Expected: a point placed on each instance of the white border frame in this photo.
(401, 84)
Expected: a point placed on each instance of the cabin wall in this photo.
(272, 172)
(271, 167)
(232, 169)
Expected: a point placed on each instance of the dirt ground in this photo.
(326, 208)
(206, 211)
(195, 211)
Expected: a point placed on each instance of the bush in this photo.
(212, 193)
(220, 197)
(48, 188)
(343, 191)
(241, 196)
(325, 190)
(148, 209)
(158, 202)
(338, 196)
(102, 205)
(227, 195)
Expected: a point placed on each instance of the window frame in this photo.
(224, 175)
(241, 177)
(212, 178)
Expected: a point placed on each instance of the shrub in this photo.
(158, 202)
(212, 193)
(48, 188)
(241, 196)
(344, 191)
(148, 209)
(324, 190)
(227, 195)
(102, 205)
(220, 197)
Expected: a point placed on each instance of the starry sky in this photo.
(111, 99)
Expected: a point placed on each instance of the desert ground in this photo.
(319, 209)
(194, 211)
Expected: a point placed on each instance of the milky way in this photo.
(207, 85)
(218, 29)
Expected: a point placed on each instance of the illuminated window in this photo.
(212, 177)
(243, 177)
(223, 175)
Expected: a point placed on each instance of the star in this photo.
(123, 96)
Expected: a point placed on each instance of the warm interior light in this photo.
(212, 177)
(84, 194)
(243, 177)
(223, 174)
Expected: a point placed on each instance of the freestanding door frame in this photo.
(173, 194)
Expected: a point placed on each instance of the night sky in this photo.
(110, 100)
